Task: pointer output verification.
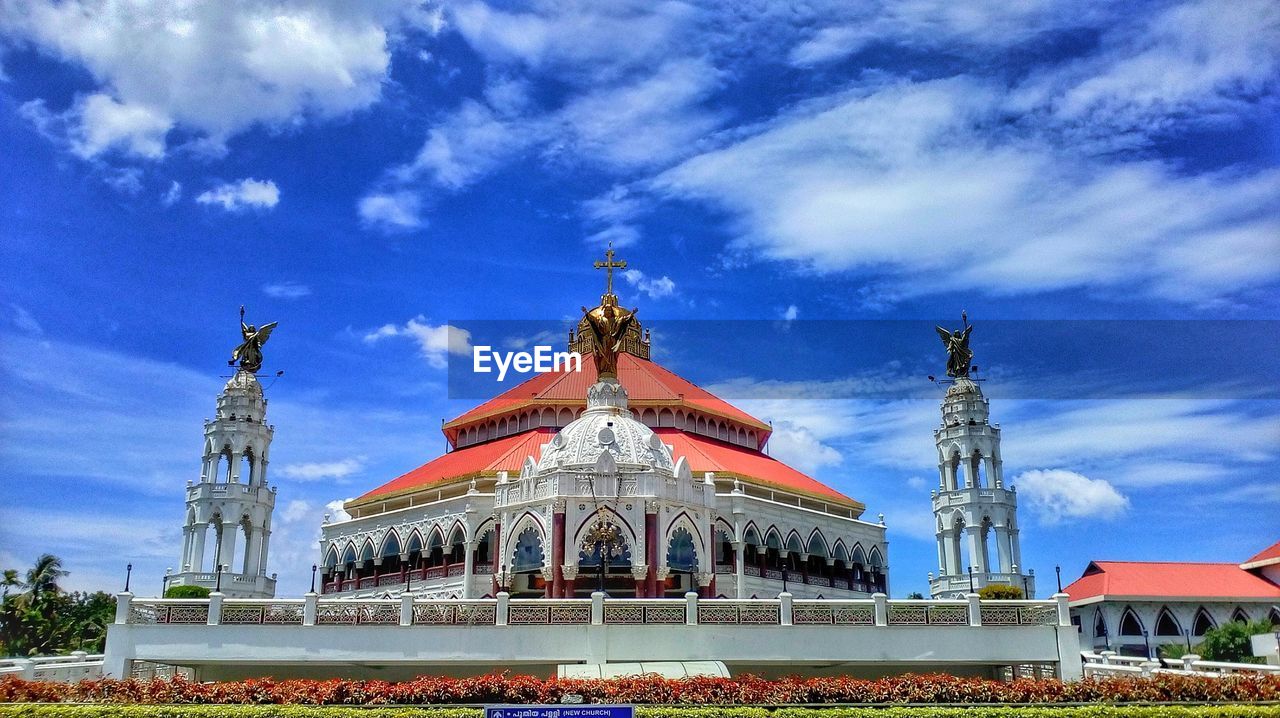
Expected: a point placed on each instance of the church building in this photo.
(625, 476)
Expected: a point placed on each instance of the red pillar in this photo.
(642, 585)
(495, 552)
(651, 551)
(557, 555)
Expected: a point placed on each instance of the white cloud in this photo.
(654, 288)
(286, 290)
(791, 313)
(321, 470)
(172, 195)
(394, 212)
(1057, 495)
(798, 446)
(335, 510)
(214, 69)
(296, 510)
(893, 178)
(435, 341)
(618, 235)
(24, 321)
(246, 193)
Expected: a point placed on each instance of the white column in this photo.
(1016, 550)
(1002, 547)
(253, 552)
(953, 552)
(262, 554)
(469, 565)
(977, 560)
(227, 546)
(196, 559)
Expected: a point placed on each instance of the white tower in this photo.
(976, 514)
(229, 510)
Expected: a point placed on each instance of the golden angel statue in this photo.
(959, 355)
(249, 353)
(608, 323)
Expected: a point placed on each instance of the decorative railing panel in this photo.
(751, 571)
(751, 612)
(805, 613)
(650, 611)
(527, 614)
(163, 612)
(908, 614)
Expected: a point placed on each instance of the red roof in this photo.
(703, 454)
(707, 454)
(1164, 580)
(487, 459)
(647, 384)
(1265, 557)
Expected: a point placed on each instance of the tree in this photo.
(999, 591)
(42, 619)
(186, 592)
(915, 595)
(1230, 642)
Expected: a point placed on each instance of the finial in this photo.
(249, 352)
(609, 265)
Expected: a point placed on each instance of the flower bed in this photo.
(435, 690)
(31, 710)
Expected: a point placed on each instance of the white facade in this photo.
(713, 536)
(228, 519)
(976, 514)
(1136, 627)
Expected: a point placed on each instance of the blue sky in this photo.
(367, 173)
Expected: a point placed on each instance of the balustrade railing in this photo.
(410, 610)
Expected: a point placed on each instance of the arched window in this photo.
(1099, 624)
(1274, 616)
(1129, 623)
(1239, 616)
(1202, 623)
(528, 554)
(1167, 625)
(435, 549)
(349, 556)
(457, 546)
(621, 557)
(391, 546)
(483, 555)
(681, 554)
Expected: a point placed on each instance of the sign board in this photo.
(560, 711)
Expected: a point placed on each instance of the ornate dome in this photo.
(964, 386)
(243, 381)
(606, 426)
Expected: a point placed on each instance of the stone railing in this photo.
(1110, 663)
(66, 669)
(597, 610)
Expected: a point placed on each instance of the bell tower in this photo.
(228, 517)
(976, 514)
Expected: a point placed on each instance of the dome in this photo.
(965, 387)
(606, 426)
(243, 381)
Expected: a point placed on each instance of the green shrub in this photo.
(186, 592)
(999, 592)
(1230, 642)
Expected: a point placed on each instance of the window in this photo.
(1239, 616)
(681, 554)
(528, 554)
(1099, 624)
(1129, 623)
(1167, 625)
(1202, 623)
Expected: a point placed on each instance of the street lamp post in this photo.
(971, 579)
(1058, 570)
(128, 572)
(784, 579)
(217, 582)
(313, 578)
(1146, 642)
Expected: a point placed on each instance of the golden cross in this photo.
(608, 265)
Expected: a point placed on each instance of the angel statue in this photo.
(959, 355)
(249, 353)
(608, 323)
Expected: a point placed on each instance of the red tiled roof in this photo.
(1265, 557)
(487, 459)
(703, 454)
(1152, 579)
(707, 454)
(647, 384)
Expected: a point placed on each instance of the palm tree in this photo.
(42, 579)
(8, 581)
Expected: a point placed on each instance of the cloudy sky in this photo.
(367, 173)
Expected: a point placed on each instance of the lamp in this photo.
(128, 571)
(313, 578)
(1058, 570)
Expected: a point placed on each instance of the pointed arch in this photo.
(414, 543)
(794, 542)
(682, 550)
(1239, 615)
(875, 558)
(684, 519)
(1167, 624)
(817, 544)
(1274, 616)
(1130, 624)
(1202, 623)
(615, 518)
(349, 554)
(858, 556)
(367, 551)
(1099, 624)
(751, 534)
(331, 557)
(527, 553)
(435, 537)
(773, 538)
(390, 544)
(840, 553)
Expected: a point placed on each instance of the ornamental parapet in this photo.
(976, 494)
